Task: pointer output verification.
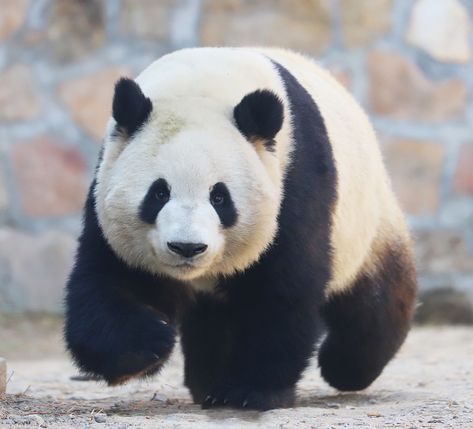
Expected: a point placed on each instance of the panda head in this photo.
(189, 188)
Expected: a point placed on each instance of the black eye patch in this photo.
(156, 198)
(222, 202)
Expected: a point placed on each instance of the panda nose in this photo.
(188, 250)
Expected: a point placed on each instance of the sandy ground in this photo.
(428, 385)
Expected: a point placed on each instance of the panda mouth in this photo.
(183, 265)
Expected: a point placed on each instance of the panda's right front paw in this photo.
(117, 349)
(143, 355)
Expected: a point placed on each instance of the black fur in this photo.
(271, 315)
(260, 115)
(120, 321)
(205, 338)
(226, 209)
(368, 323)
(155, 199)
(130, 107)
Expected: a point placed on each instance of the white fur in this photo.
(191, 141)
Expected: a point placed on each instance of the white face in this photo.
(185, 226)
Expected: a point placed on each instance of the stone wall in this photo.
(408, 62)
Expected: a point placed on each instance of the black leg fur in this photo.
(367, 324)
(205, 343)
(119, 321)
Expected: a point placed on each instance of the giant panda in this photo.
(240, 202)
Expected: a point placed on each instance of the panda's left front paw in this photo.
(247, 397)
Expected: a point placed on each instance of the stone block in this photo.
(74, 28)
(89, 99)
(463, 181)
(19, 97)
(52, 179)
(442, 252)
(444, 306)
(400, 90)
(12, 16)
(415, 168)
(34, 269)
(441, 28)
(147, 19)
(364, 21)
(303, 25)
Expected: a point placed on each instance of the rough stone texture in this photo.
(442, 251)
(19, 98)
(12, 16)
(303, 25)
(74, 28)
(415, 168)
(89, 99)
(51, 178)
(444, 306)
(400, 90)
(463, 182)
(442, 28)
(34, 269)
(3, 376)
(364, 21)
(147, 18)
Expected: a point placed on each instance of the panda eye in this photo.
(161, 191)
(162, 195)
(217, 199)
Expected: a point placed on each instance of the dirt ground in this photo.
(428, 385)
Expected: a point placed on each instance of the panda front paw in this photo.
(133, 347)
(246, 397)
(148, 348)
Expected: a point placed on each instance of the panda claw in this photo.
(245, 403)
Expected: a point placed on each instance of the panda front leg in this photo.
(271, 339)
(368, 323)
(113, 327)
(205, 340)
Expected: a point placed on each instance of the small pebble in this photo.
(333, 405)
(100, 419)
(159, 397)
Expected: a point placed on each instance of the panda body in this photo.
(241, 198)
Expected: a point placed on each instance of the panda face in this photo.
(190, 207)
(195, 206)
(190, 193)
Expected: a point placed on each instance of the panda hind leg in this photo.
(368, 323)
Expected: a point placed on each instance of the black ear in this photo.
(130, 107)
(259, 115)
